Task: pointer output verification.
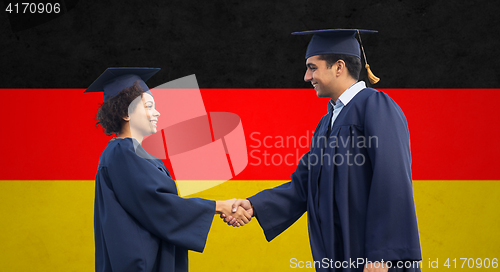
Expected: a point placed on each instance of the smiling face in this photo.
(143, 116)
(321, 77)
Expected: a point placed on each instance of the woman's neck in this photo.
(126, 133)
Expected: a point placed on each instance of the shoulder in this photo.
(380, 109)
(370, 98)
(120, 145)
(116, 148)
(369, 94)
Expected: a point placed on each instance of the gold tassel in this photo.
(373, 79)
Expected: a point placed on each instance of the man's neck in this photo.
(343, 87)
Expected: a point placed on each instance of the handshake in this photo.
(235, 212)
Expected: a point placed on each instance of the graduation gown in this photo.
(355, 183)
(140, 222)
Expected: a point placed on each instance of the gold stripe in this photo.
(47, 225)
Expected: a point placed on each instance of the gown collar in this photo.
(347, 95)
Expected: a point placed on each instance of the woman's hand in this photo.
(238, 204)
(225, 207)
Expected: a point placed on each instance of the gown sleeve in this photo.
(391, 223)
(150, 196)
(278, 208)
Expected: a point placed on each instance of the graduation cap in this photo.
(115, 79)
(338, 41)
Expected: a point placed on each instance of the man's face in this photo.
(321, 77)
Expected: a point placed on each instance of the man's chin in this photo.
(320, 94)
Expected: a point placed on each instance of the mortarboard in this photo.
(337, 41)
(115, 79)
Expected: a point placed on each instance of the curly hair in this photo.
(110, 114)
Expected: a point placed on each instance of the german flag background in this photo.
(437, 59)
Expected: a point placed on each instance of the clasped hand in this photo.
(234, 211)
(240, 212)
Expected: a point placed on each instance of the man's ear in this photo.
(340, 66)
(126, 119)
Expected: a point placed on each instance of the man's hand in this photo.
(238, 215)
(237, 205)
(376, 267)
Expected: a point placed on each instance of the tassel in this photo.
(373, 79)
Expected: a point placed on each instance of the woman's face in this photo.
(144, 117)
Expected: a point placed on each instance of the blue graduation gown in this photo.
(140, 223)
(359, 198)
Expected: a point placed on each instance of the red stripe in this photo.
(51, 133)
(166, 161)
(211, 128)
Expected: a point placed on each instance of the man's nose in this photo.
(308, 76)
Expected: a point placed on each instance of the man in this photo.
(355, 181)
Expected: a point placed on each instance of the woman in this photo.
(140, 223)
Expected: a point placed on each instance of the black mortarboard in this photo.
(337, 41)
(115, 79)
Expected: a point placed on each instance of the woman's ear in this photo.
(126, 119)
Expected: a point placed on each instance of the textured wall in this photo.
(244, 44)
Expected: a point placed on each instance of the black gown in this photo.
(355, 183)
(140, 222)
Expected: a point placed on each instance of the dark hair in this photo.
(110, 114)
(352, 63)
